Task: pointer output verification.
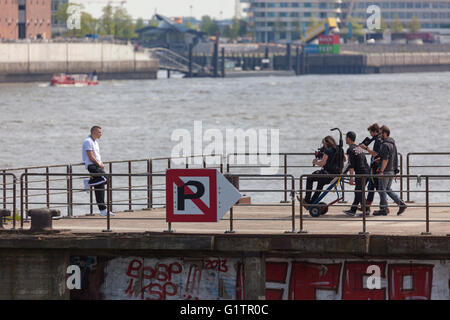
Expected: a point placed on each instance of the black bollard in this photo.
(4, 213)
(41, 219)
(288, 57)
(223, 63)
(190, 60)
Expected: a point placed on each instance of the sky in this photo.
(172, 8)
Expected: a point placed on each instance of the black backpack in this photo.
(335, 161)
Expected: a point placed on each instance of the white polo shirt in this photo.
(90, 144)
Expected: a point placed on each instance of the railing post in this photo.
(129, 187)
(26, 189)
(108, 206)
(427, 207)
(292, 207)
(69, 191)
(47, 187)
(4, 189)
(110, 182)
(21, 202)
(231, 222)
(285, 178)
(401, 176)
(149, 184)
(14, 201)
(301, 206)
(407, 178)
(363, 204)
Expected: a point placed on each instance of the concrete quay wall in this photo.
(38, 61)
(378, 62)
(160, 266)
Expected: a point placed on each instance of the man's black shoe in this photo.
(350, 212)
(402, 209)
(380, 213)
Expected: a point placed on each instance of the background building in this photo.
(25, 19)
(58, 27)
(280, 20)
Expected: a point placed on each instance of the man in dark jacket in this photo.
(388, 167)
(358, 165)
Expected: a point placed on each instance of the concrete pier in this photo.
(28, 62)
(259, 261)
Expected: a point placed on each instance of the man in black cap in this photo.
(358, 165)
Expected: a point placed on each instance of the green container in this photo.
(336, 48)
(325, 48)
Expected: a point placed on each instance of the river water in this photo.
(42, 125)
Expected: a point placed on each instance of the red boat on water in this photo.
(77, 80)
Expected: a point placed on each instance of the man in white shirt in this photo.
(93, 163)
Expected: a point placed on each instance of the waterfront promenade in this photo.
(266, 220)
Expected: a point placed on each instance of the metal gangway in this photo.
(172, 61)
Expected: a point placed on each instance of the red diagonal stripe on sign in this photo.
(198, 202)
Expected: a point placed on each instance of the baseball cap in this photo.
(351, 135)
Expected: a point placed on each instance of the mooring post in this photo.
(223, 63)
(190, 60)
(288, 57)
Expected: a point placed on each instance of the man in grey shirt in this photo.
(388, 167)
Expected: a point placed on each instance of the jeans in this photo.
(99, 185)
(384, 184)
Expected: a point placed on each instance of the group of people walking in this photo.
(383, 166)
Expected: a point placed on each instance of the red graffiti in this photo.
(301, 280)
(192, 287)
(276, 272)
(306, 278)
(355, 274)
(152, 283)
(216, 264)
(420, 278)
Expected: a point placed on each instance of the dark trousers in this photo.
(321, 182)
(98, 183)
(371, 187)
(358, 193)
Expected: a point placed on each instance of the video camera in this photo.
(367, 141)
(319, 153)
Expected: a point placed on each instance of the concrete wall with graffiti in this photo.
(347, 280)
(137, 278)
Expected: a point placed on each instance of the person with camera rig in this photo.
(328, 157)
(357, 165)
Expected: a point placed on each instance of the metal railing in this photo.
(427, 205)
(8, 191)
(410, 166)
(142, 181)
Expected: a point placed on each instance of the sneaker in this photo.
(350, 213)
(86, 185)
(380, 213)
(104, 214)
(402, 208)
(305, 202)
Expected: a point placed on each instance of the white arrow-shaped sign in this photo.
(227, 195)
